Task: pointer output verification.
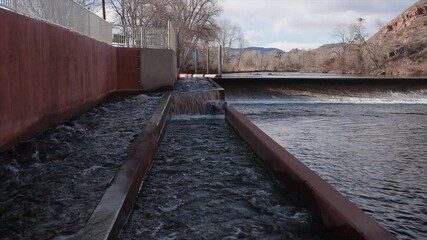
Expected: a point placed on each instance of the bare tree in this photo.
(135, 13)
(344, 36)
(241, 43)
(352, 39)
(93, 5)
(228, 36)
(195, 21)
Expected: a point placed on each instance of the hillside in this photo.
(257, 49)
(404, 40)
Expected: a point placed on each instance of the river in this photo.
(369, 142)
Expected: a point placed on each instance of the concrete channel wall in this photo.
(341, 217)
(49, 73)
(158, 69)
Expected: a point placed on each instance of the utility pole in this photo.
(104, 15)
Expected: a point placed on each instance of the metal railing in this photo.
(142, 37)
(65, 13)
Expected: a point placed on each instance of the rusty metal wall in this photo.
(47, 74)
(128, 68)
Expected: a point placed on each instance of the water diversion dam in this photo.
(204, 183)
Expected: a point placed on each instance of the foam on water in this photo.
(415, 97)
(196, 117)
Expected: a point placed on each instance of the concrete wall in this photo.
(342, 218)
(47, 74)
(158, 69)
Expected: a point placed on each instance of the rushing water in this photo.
(371, 144)
(205, 184)
(50, 184)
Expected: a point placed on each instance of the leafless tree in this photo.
(93, 5)
(196, 23)
(353, 40)
(228, 37)
(136, 13)
(241, 42)
(195, 20)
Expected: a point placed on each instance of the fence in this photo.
(65, 13)
(142, 37)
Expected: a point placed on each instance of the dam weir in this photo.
(204, 182)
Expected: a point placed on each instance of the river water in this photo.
(369, 143)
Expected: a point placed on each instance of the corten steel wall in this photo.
(158, 68)
(48, 74)
(340, 216)
(128, 68)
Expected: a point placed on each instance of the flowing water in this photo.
(50, 184)
(370, 143)
(206, 184)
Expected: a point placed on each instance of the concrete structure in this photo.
(158, 68)
(49, 73)
(341, 217)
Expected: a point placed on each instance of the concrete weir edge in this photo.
(116, 204)
(341, 218)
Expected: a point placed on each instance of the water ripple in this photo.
(375, 154)
(205, 184)
(49, 185)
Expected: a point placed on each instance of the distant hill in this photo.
(258, 49)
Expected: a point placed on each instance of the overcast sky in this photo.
(305, 24)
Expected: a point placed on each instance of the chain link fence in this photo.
(143, 37)
(65, 13)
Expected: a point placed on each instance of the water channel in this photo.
(206, 184)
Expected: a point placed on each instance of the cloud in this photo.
(287, 46)
(253, 36)
(306, 20)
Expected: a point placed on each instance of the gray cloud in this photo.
(310, 20)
